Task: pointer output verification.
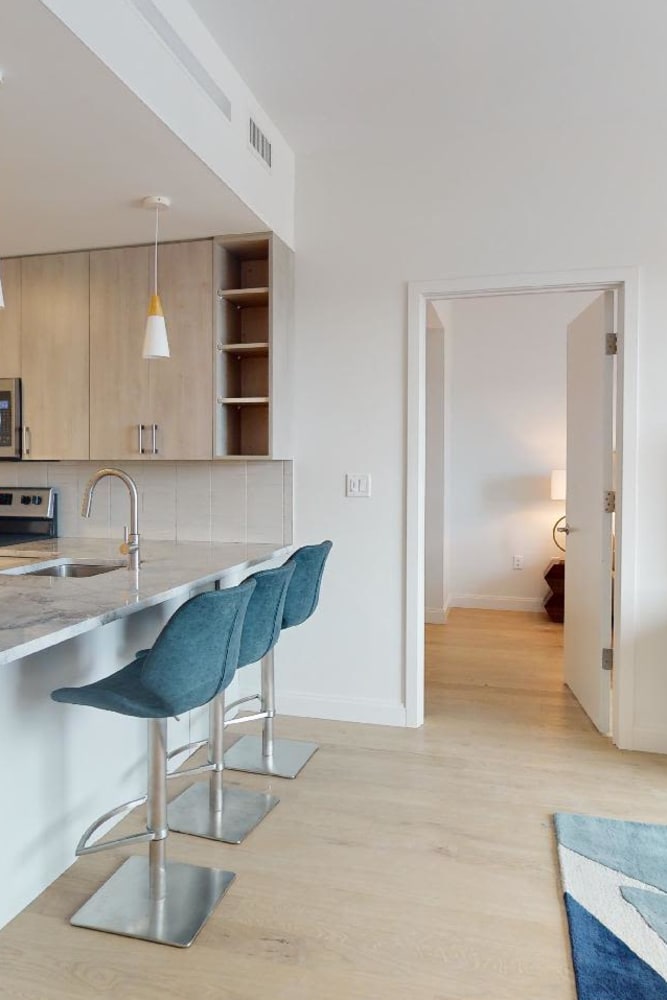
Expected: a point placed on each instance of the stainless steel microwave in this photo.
(10, 418)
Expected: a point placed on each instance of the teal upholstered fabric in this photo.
(264, 616)
(193, 659)
(304, 590)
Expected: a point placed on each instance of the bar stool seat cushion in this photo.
(304, 589)
(193, 659)
(122, 692)
(264, 616)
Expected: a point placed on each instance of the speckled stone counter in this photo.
(40, 611)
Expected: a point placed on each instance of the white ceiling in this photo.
(334, 74)
(78, 150)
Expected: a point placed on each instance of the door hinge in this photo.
(609, 502)
(607, 659)
(611, 343)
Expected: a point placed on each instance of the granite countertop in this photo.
(39, 611)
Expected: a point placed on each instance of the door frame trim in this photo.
(623, 280)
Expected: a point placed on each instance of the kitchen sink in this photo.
(74, 569)
(64, 568)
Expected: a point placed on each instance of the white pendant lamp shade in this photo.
(156, 344)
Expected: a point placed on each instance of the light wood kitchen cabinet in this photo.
(181, 387)
(159, 409)
(10, 318)
(254, 277)
(119, 289)
(55, 356)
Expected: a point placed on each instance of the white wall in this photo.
(533, 197)
(507, 432)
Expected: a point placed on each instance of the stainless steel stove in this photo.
(27, 514)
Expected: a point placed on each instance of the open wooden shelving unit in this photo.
(253, 277)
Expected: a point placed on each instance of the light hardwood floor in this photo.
(411, 864)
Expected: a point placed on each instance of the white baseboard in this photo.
(435, 616)
(648, 740)
(488, 602)
(380, 713)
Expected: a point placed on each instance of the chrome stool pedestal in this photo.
(265, 754)
(192, 660)
(151, 898)
(286, 760)
(208, 809)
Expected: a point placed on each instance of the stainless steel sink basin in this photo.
(74, 569)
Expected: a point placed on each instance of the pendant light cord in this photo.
(157, 222)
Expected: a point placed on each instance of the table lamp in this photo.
(558, 492)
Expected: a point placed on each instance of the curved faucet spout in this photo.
(131, 545)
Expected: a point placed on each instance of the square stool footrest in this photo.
(123, 905)
(241, 812)
(287, 759)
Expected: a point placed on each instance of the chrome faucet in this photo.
(130, 546)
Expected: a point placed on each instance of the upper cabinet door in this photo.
(10, 318)
(120, 285)
(55, 355)
(181, 386)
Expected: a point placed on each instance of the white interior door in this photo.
(588, 564)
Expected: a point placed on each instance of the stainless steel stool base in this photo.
(123, 904)
(241, 811)
(288, 758)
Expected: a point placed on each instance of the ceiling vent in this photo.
(259, 142)
(187, 59)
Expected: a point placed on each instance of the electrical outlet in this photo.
(357, 484)
(517, 562)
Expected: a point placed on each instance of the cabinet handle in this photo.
(142, 428)
(27, 440)
(154, 429)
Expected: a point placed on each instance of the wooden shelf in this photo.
(244, 401)
(245, 296)
(253, 279)
(256, 350)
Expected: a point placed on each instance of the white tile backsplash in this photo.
(264, 501)
(183, 501)
(193, 502)
(229, 502)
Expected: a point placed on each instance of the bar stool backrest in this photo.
(264, 616)
(304, 590)
(196, 653)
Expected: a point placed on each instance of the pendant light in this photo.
(156, 344)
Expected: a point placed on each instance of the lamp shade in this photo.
(558, 484)
(156, 344)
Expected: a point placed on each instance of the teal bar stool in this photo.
(265, 754)
(192, 660)
(208, 809)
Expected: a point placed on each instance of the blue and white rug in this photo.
(614, 878)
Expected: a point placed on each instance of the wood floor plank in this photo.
(402, 863)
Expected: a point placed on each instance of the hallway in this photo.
(401, 864)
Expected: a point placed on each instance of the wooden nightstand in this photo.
(554, 603)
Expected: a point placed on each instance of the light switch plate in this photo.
(358, 484)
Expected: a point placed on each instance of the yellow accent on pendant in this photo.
(155, 308)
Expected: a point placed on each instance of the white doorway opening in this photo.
(624, 283)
